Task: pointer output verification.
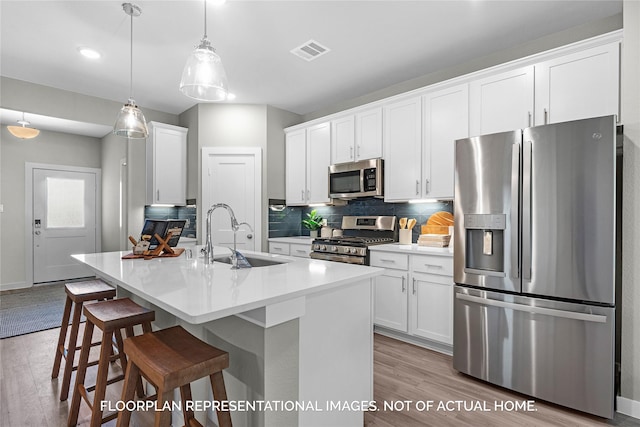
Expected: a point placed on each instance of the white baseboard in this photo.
(628, 407)
(14, 286)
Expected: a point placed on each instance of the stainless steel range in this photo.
(360, 232)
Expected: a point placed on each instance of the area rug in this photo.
(31, 310)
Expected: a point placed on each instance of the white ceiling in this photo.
(374, 44)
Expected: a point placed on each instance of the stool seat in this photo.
(89, 290)
(110, 316)
(77, 294)
(173, 358)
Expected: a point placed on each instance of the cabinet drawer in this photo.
(299, 250)
(432, 264)
(389, 260)
(279, 248)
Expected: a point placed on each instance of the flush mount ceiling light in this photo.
(22, 131)
(130, 122)
(89, 53)
(203, 77)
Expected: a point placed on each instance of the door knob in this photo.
(249, 236)
(37, 232)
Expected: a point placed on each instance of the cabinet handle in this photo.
(387, 260)
(307, 194)
(351, 152)
(545, 116)
(302, 195)
(427, 187)
(404, 288)
(414, 286)
(157, 195)
(358, 153)
(529, 117)
(417, 187)
(438, 267)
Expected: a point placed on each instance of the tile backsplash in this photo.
(288, 222)
(176, 212)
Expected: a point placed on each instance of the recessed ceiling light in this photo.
(231, 96)
(217, 2)
(89, 53)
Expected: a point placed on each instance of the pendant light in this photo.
(130, 122)
(22, 131)
(203, 77)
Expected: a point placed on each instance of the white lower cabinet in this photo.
(415, 295)
(301, 250)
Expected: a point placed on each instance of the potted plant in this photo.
(313, 222)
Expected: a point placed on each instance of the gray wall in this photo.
(51, 148)
(631, 203)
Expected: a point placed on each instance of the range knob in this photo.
(334, 249)
(323, 247)
(353, 250)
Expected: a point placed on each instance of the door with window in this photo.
(64, 222)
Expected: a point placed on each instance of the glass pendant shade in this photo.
(23, 131)
(130, 122)
(203, 77)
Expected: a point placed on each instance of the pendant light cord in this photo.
(131, 60)
(205, 19)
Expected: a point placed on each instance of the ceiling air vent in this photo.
(310, 50)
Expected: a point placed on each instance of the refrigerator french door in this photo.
(534, 261)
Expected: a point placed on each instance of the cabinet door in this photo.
(432, 307)
(578, 86)
(369, 134)
(343, 140)
(501, 102)
(390, 300)
(279, 248)
(166, 165)
(300, 250)
(318, 160)
(296, 169)
(446, 118)
(403, 150)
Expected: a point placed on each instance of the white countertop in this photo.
(412, 249)
(303, 240)
(198, 293)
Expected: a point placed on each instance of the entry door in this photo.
(232, 176)
(63, 223)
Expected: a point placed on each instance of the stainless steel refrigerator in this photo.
(535, 262)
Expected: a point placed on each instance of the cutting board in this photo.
(441, 218)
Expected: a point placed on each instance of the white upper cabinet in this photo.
(501, 102)
(578, 86)
(445, 119)
(166, 163)
(318, 160)
(307, 165)
(343, 140)
(296, 167)
(357, 137)
(369, 134)
(403, 149)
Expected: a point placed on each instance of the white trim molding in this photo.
(628, 407)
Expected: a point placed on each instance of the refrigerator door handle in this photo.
(515, 210)
(587, 317)
(527, 171)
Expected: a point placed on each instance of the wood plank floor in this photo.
(29, 397)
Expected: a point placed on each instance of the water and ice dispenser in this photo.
(484, 250)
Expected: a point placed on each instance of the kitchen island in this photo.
(299, 333)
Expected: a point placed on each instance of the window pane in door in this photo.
(65, 203)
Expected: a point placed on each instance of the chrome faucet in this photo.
(235, 226)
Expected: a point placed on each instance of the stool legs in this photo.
(62, 338)
(71, 352)
(80, 375)
(220, 394)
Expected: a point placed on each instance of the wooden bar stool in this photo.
(172, 358)
(109, 316)
(77, 294)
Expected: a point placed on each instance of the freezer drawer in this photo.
(556, 351)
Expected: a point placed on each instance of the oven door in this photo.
(339, 258)
(345, 183)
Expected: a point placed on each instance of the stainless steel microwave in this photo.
(357, 179)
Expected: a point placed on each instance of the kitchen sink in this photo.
(255, 262)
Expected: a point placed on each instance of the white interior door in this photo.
(233, 176)
(64, 222)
